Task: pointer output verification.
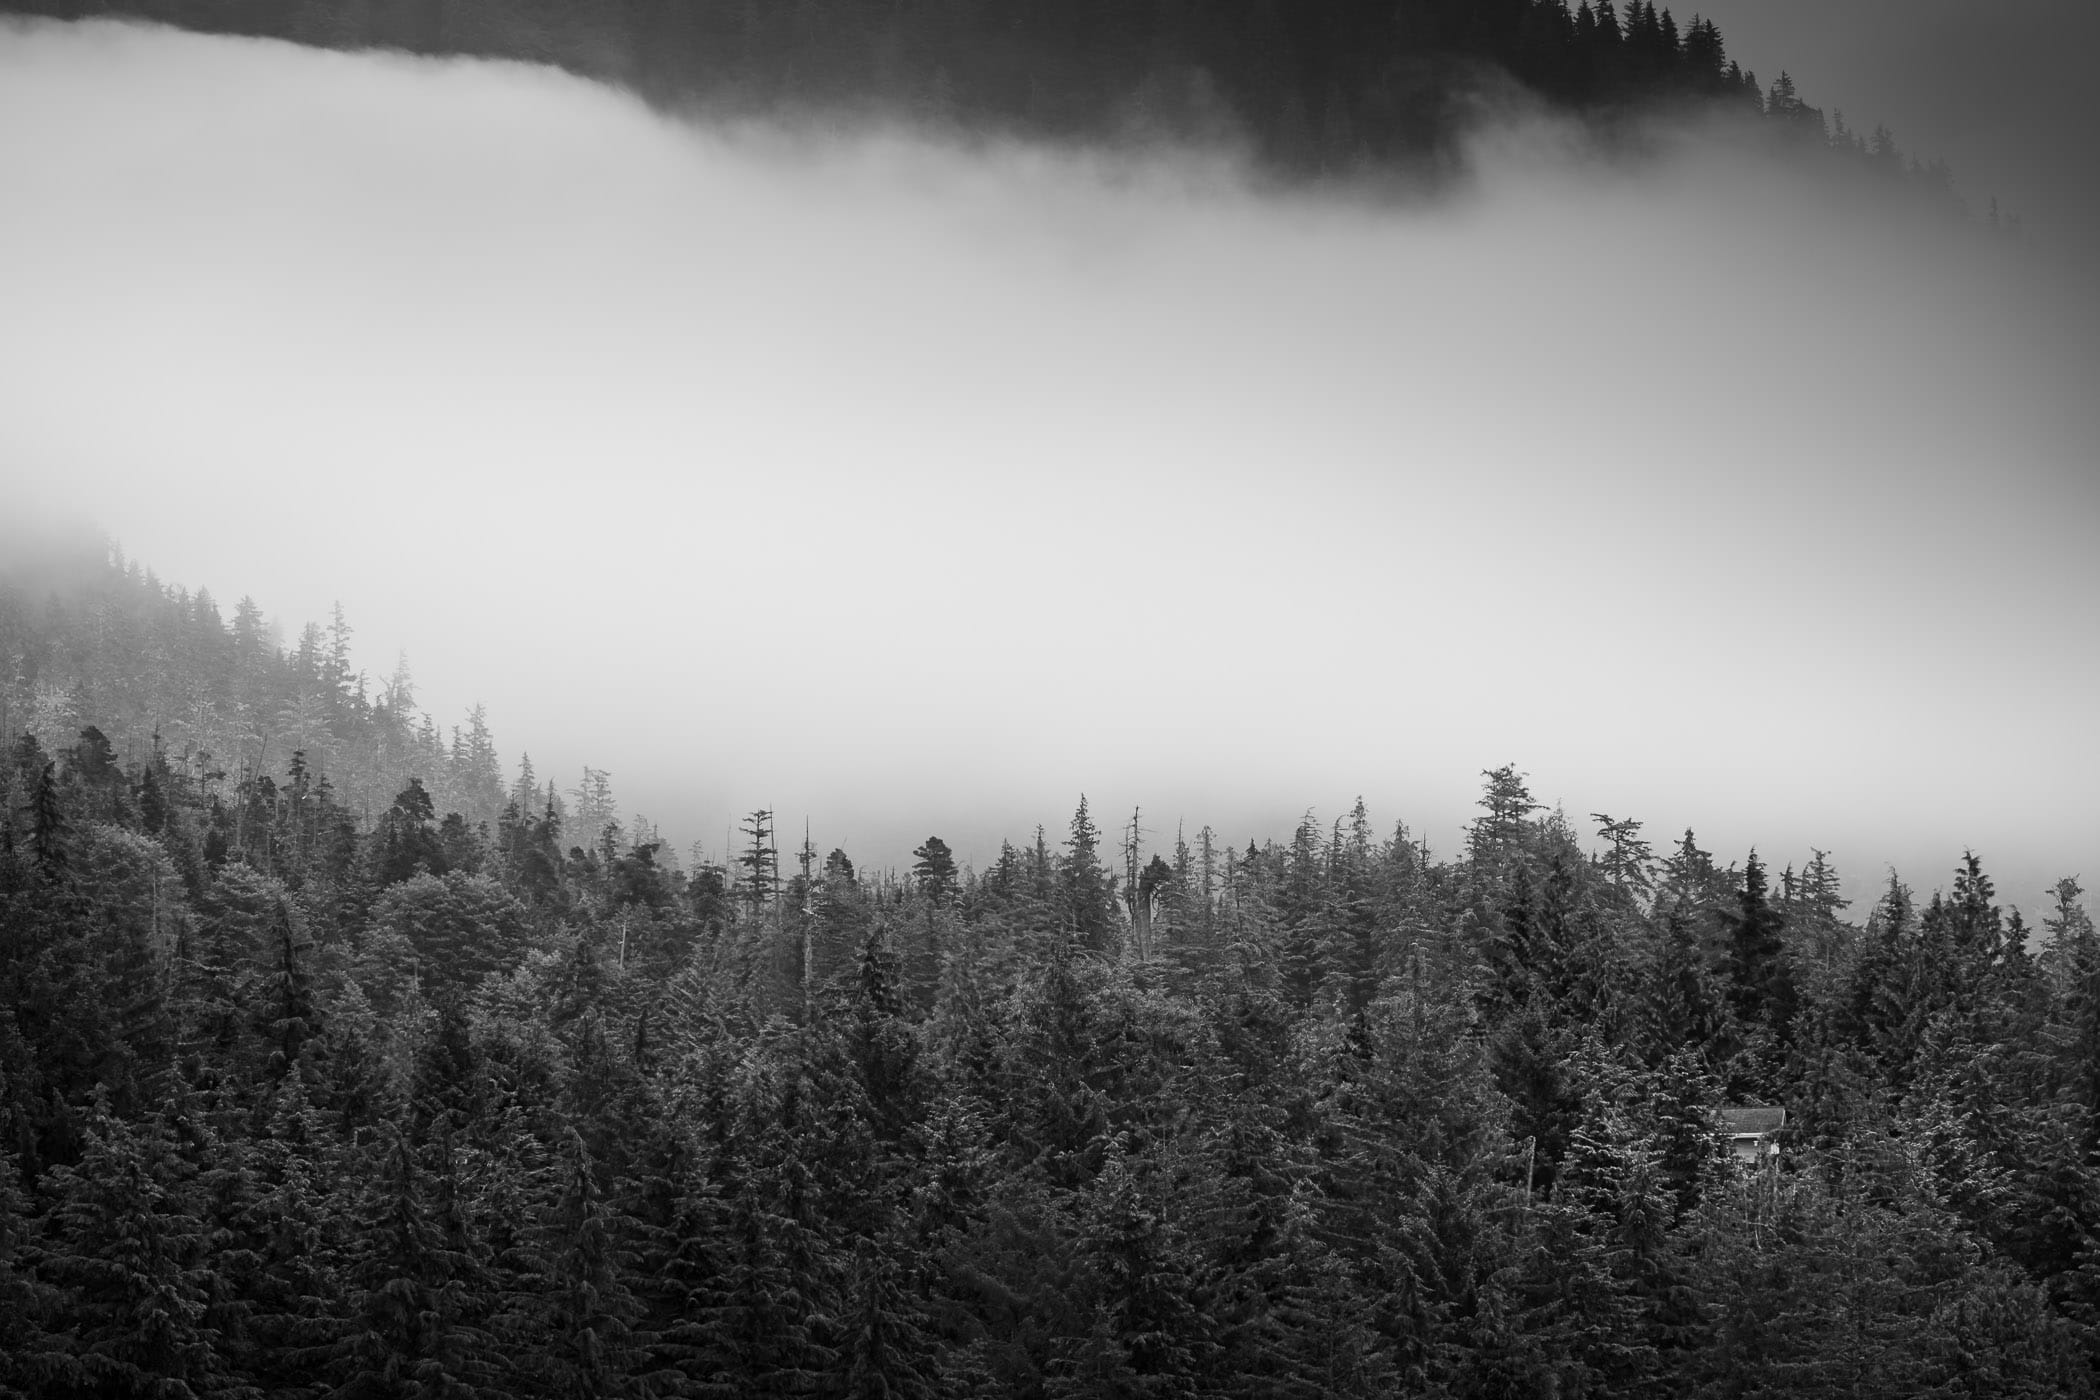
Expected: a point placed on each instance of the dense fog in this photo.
(920, 485)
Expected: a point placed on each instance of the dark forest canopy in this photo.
(1309, 88)
(466, 1090)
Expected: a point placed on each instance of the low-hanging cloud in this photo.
(921, 486)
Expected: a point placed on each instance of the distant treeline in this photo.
(298, 1100)
(1309, 86)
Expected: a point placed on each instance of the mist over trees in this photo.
(1340, 86)
(337, 1060)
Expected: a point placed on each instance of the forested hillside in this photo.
(459, 1092)
(87, 636)
(1309, 88)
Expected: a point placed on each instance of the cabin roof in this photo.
(1747, 1122)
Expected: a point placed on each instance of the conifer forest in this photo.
(345, 1054)
(342, 1059)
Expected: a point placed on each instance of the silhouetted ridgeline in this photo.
(476, 1090)
(1310, 86)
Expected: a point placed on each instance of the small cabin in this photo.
(1753, 1133)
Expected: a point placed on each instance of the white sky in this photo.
(920, 491)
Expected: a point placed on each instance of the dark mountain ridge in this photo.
(1309, 89)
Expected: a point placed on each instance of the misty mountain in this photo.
(1309, 88)
(88, 637)
(300, 1095)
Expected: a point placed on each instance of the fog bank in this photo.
(921, 489)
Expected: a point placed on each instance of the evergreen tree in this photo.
(135, 1274)
(768, 1322)
(1683, 1009)
(588, 1327)
(1760, 983)
(1147, 1337)
(409, 1329)
(887, 1352)
(1497, 837)
(760, 863)
(1087, 907)
(33, 1357)
(1627, 861)
(934, 871)
(408, 839)
(289, 1016)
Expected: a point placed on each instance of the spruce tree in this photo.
(34, 1357)
(409, 1331)
(1088, 911)
(588, 1326)
(135, 1273)
(886, 1351)
(1760, 984)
